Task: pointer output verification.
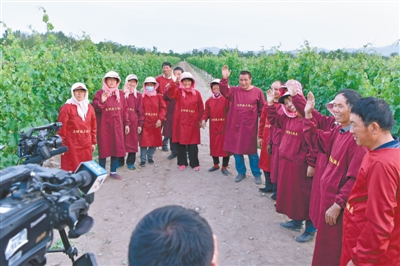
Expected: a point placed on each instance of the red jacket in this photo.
(154, 109)
(136, 117)
(217, 112)
(77, 135)
(264, 131)
(112, 117)
(371, 226)
(187, 115)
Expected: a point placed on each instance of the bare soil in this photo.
(243, 219)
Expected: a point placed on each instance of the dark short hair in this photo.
(166, 64)
(171, 235)
(371, 109)
(351, 96)
(245, 72)
(178, 68)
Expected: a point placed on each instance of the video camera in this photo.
(37, 149)
(35, 200)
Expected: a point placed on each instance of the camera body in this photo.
(41, 200)
(37, 146)
(35, 200)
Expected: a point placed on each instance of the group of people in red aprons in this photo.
(311, 162)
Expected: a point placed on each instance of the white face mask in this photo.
(149, 88)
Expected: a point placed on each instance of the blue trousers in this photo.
(113, 163)
(147, 152)
(241, 168)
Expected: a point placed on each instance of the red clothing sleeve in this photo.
(140, 112)
(276, 119)
(224, 89)
(172, 91)
(162, 107)
(97, 104)
(356, 155)
(125, 113)
(311, 157)
(63, 117)
(299, 102)
(317, 139)
(261, 103)
(271, 133)
(206, 113)
(380, 214)
(93, 126)
(200, 105)
(323, 122)
(262, 124)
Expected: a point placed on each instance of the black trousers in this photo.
(225, 160)
(172, 145)
(131, 159)
(193, 151)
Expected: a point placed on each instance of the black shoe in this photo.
(151, 161)
(142, 164)
(225, 172)
(212, 169)
(240, 177)
(273, 197)
(266, 190)
(164, 149)
(171, 156)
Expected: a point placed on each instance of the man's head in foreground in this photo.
(172, 235)
(371, 121)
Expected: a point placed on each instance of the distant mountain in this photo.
(385, 50)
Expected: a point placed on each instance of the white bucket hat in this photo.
(79, 85)
(112, 74)
(215, 81)
(130, 77)
(186, 75)
(150, 80)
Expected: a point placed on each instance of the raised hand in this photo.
(270, 97)
(225, 72)
(291, 86)
(310, 105)
(174, 78)
(104, 97)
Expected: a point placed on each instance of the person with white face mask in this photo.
(79, 128)
(154, 114)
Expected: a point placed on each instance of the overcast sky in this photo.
(186, 25)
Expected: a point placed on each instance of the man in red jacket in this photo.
(371, 225)
(164, 81)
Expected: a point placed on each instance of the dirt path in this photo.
(243, 219)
